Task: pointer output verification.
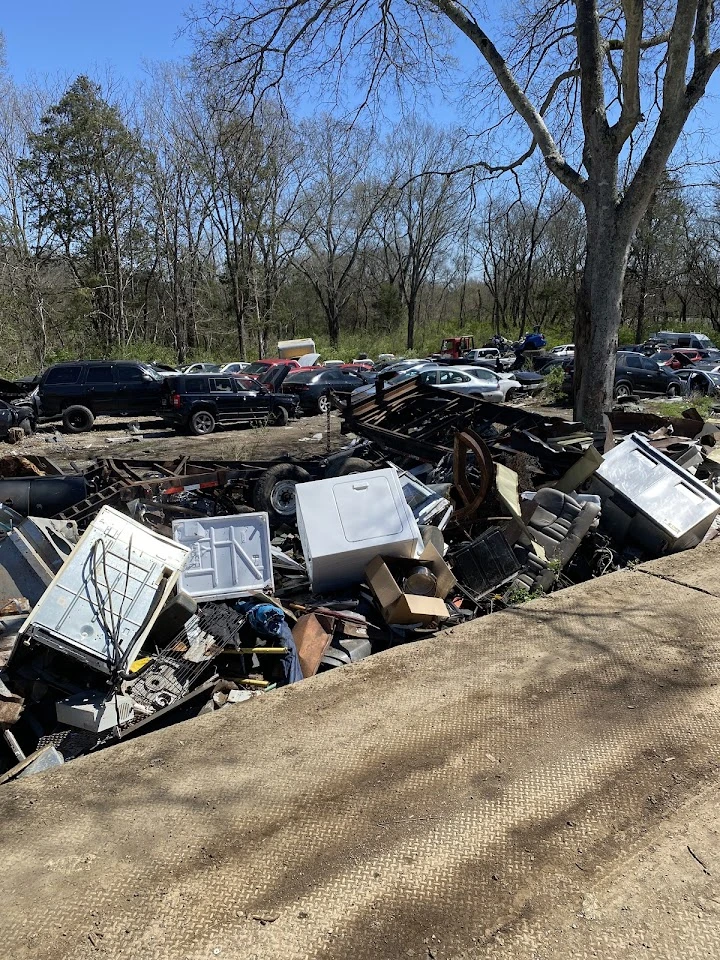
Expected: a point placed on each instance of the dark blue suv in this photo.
(198, 402)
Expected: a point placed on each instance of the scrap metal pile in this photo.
(135, 594)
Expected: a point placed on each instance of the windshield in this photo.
(151, 371)
(258, 367)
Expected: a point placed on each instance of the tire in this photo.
(510, 395)
(323, 403)
(280, 417)
(202, 422)
(622, 391)
(355, 465)
(275, 492)
(673, 391)
(26, 426)
(77, 419)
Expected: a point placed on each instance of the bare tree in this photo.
(183, 271)
(424, 213)
(657, 257)
(338, 201)
(575, 51)
(28, 286)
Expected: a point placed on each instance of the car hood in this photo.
(309, 359)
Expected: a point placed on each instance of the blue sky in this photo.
(63, 38)
(68, 37)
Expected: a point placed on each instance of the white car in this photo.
(489, 357)
(474, 380)
(564, 350)
(201, 368)
(237, 366)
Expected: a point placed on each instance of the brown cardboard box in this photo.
(399, 607)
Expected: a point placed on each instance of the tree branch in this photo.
(616, 43)
(678, 100)
(554, 159)
(630, 113)
(590, 47)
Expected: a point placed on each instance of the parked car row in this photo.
(80, 391)
(634, 374)
(204, 395)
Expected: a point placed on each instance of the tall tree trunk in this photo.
(411, 315)
(642, 295)
(238, 301)
(332, 314)
(598, 313)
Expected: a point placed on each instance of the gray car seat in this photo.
(557, 522)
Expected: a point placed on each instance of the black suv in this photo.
(635, 374)
(199, 401)
(82, 390)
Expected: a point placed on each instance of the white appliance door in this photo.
(368, 508)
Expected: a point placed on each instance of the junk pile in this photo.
(135, 593)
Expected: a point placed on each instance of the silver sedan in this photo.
(473, 380)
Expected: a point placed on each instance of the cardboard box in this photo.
(399, 607)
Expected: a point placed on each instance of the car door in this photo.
(630, 368)
(484, 381)
(254, 398)
(138, 391)
(453, 379)
(229, 404)
(343, 383)
(655, 379)
(101, 389)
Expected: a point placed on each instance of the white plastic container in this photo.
(229, 556)
(346, 521)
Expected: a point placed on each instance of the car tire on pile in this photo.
(323, 403)
(355, 465)
(280, 417)
(77, 419)
(275, 492)
(202, 422)
(622, 390)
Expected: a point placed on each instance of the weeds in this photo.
(553, 389)
(520, 594)
(704, 405)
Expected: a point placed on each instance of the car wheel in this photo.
(78, 419)
(355, 465)
(275, 492)
(510, 395)
(623, 390)
(26, 426)
(202, 422)
(323, 403)
(673, 390)
(280, 417)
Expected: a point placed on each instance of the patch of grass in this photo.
(520, 594)
(704, 406)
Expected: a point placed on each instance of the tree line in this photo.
(176, 223)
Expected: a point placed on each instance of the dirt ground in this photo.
(111, 438)
(302, 437)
